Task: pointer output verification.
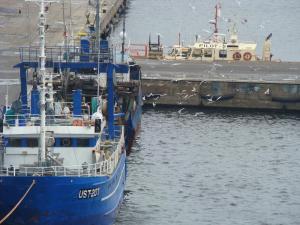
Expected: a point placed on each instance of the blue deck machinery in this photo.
(78, 69)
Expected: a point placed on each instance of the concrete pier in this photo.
(256, 85)
(110, 14)
(18, 27)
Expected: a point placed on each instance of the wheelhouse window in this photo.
(83, 142)
(14, 142)
(208, 53)
(23, 142)
(32, 142)
(197, 53)
(223, 54)
(66, 142)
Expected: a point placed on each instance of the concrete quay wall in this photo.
(114, 9)
(225, 94)
(255, 85)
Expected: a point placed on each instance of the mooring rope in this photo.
(17, 205)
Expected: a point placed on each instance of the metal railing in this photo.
(65, 118)
(103, 168)
(109, 152)
(51, 120)
(60, 54)
(2, 150)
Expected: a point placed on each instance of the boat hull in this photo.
(63, 200)
(133, 127)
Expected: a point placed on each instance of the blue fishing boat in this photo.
(62, 156)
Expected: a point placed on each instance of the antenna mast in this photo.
(123, 39)
(42, 22)
(97, 24)
(217, 16)
(216, 19)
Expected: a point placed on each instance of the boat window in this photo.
(32, 142)
(83, 142)
(14, 142)
(197, 53)
(207, 53)
(223, 54)
(80, 142)
(28, 142)
(185, 53)
(66, 142)
(232, 46)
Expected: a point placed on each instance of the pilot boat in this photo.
(218, 48)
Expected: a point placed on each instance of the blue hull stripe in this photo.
(114, 191)
(115, 208)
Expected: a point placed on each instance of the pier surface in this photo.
(19, 27)
(258, 85)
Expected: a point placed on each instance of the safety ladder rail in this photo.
(58, 54)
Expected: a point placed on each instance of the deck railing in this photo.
(51, 120)
(61, 54)
(103, 168)
(109, 152)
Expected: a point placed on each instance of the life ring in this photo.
(247, 56)
(237, 56)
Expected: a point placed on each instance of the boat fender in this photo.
(237, 56)
(247, 56)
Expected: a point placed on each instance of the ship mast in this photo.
(217, 16)
(98, 31)
(42, 22)
(216, 19)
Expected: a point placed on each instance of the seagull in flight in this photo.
(180, 110)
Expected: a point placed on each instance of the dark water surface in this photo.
(214, 168)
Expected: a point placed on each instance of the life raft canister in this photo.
(77, 123)
(247, 56)
(237, 56)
